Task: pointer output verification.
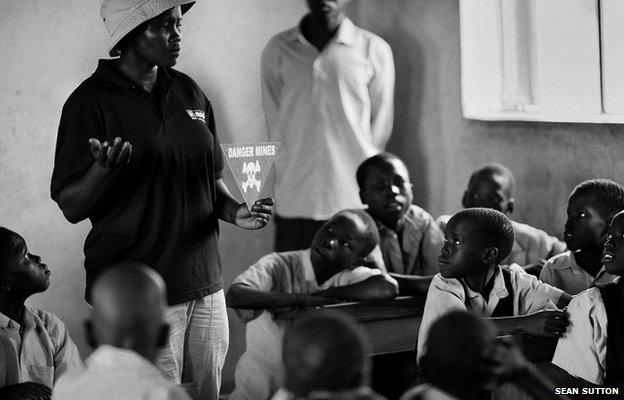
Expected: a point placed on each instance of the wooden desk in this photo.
(391, 325)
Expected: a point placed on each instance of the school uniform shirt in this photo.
(161, 208)
(582, 351)
(444, 295)
(530, 244)
(259, 372)
(421, 242)
(331, 110)
(117, 374)
(563, 272)
(39, 350)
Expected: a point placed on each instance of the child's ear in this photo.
(510, 206)
(490, 256)
(90, 334)
(163, 336)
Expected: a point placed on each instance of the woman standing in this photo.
(137, 154)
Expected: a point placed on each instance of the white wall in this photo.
(48, 47)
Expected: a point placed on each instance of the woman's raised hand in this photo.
(110, 155)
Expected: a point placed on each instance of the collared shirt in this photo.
(39, 350)
(582, 351)
(530, 244)
(421, 242)
(160, 208)
(529, 296)
(563, 272)
(330, 110)
(117, 374)
(259, 371)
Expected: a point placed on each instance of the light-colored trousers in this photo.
(198, 343)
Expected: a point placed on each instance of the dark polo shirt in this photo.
(160, 209)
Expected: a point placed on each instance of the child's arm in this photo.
(549, 323)
(564, 300)
(412, 284)
(376, 287)
(244, 296)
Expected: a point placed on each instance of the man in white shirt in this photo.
(128, 324)
(328, 90)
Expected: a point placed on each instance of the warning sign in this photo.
(250, 165)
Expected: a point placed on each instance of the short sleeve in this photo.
(547, 274)
(350, 277)
(533, 295)
(261, 275)
(582, 350)
(444, 295)
(80, 121)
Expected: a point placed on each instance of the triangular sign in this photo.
(250, 164)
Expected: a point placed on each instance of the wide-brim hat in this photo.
(122, 16)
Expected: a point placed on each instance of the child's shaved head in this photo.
(129, 305)
(492, 169)
(491, 226)
(324, 352)
(456, 343)
(608, 195)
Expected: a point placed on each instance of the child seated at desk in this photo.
(328, 270)
(466, 361)
(127, 327)
(326, 358)
(34, 345)
(475, 242)
(410, 240)
(593, 347)
(591, 206)
(491, 186)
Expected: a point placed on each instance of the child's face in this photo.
(489, 191)
(387, 191)
(339, 244)
(613, 253)
(585, 225)
(463, 251)
(24, 273)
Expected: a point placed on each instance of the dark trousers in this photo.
(294, 233)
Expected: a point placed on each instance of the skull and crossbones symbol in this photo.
(251, 169)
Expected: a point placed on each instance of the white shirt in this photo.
(330, 110)
(259, 371)
(117, 374)
(563, 272)
(41, 353)
(444, 295)
(582, 351)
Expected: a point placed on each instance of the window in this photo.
(543, 60)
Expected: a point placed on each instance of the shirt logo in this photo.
(197, 115)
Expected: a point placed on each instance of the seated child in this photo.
(470, 278)
(325, 357)
(491, 186)
(591, 206)
(328, 270)
(34, 345)
(410, 238)
(127, 327)
(464, 360)
(592, 348)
